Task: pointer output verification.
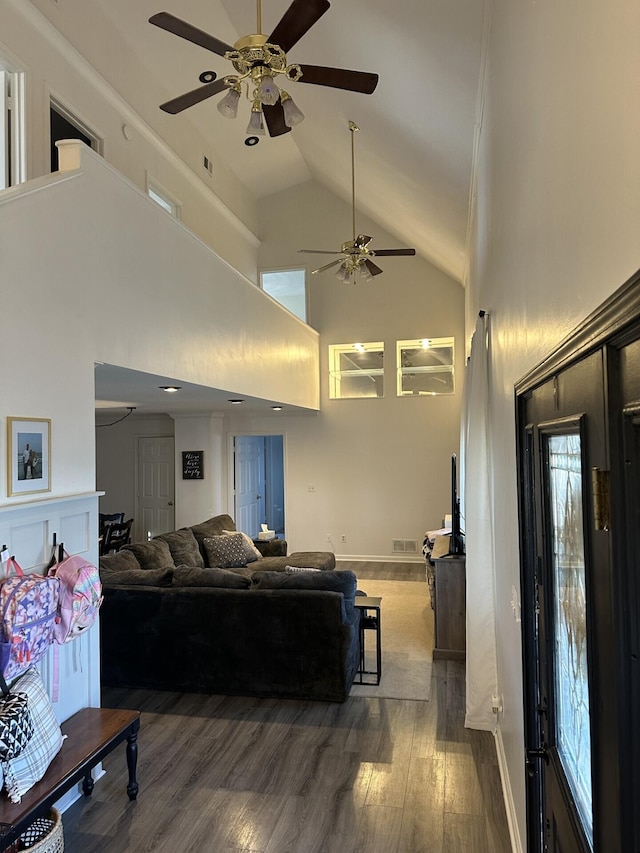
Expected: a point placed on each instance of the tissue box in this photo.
(266, 535)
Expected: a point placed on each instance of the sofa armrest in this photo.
(271, 547)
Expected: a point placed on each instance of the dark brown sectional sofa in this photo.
(171, 620)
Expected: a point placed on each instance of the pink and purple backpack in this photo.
(28, 610)
(80, 597)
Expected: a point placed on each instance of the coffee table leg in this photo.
(132, 762)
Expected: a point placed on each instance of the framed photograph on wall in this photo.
(28, 456)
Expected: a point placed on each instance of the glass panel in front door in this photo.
(570, 666)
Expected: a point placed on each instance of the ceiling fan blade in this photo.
(167, 21)
(296, 21)
(328, 266)
(387, 253)
(176, 105)
(274, 119)
(339, 78)
(319, 252)
(373, 269)
(361, 241)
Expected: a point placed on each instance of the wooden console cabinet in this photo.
(450, 609)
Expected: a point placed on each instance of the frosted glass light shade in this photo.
(228, 106)
(365, 272)
(268, 91)
(293, 115)
(343, 273)
(255, 125)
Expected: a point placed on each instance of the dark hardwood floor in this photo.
(221, 774)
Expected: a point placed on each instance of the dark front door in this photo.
(572, 733)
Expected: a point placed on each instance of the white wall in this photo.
(218, 209)
(555, 232)
(380, 467)
(92, 270)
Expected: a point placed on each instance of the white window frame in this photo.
(337, 373)
(442, 369)
(13, 149)
(163, 198)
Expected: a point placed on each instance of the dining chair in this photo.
(105, 519)
(115, 536)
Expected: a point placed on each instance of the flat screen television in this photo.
(456, 545)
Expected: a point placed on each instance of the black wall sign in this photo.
(193, 464)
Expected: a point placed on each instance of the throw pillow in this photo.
(135, 577)
(120, 561)
(224, 552)
(22, 772)
(151, 555)
(192, 576)
(343, 581)
(211, 527)
(251, 552)
(183, 546)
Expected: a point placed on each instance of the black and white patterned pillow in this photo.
(225, 552)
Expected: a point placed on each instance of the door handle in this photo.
(531, 756)
(258, 497)
(169, 503)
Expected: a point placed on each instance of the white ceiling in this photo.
(414, 152)
(417, 129)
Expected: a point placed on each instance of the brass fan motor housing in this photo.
(254, 56)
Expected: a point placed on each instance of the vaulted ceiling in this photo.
(414, 152)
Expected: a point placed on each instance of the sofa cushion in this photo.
(344, 582)
(151, 555)
(120, 561)
(192, 576)
(250, 551)
(135, 577)
(183, 546)
(211, 527)
(225, 552)
(325, 560)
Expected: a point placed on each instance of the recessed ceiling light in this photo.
(170, 389)
(277, 408)
(236, 402)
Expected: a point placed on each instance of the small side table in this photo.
(369, 607)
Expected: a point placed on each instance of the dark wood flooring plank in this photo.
(232, 774)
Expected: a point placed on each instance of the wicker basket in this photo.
(44, 835)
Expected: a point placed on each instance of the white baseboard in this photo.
(514, 834)
(382, 558)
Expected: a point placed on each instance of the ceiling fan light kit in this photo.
(357, 260)
(258, 60)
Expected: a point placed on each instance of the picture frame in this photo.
(193, 464)
(28, 456)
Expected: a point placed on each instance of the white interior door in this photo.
(250, 483)
(156, 487)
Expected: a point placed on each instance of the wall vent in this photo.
(405, 546)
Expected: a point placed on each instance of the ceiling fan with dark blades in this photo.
(356, 254)
(257, 60)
